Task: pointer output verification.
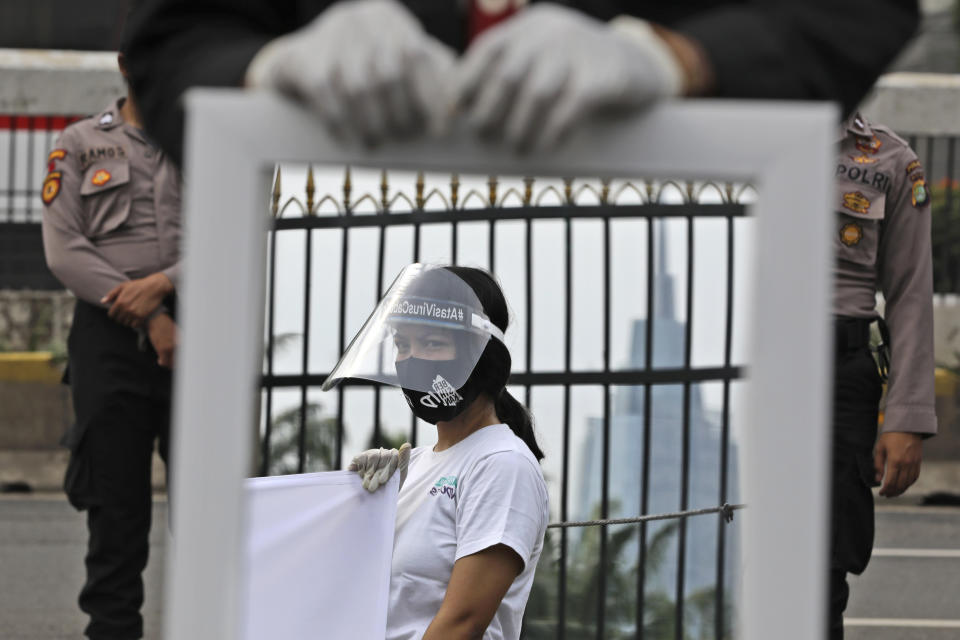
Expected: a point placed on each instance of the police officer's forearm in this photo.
(906, 278)
(172, 274)
(910, 393)
(78, 265)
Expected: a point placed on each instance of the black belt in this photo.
(851, 333)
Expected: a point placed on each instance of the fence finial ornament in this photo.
(311, 190)
(275, 207)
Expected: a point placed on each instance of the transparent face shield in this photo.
(426, 334)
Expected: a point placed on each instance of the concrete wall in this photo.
(49, 82)
(916, 103)
(946, 330)
(946, 340)
(35, 320)
(35, 409)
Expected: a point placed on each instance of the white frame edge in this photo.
(233, 138)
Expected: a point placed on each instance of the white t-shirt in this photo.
(485, 490)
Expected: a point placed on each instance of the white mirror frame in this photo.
(233, 140)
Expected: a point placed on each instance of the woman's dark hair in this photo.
(493, 367)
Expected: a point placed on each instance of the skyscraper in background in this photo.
(666, 456)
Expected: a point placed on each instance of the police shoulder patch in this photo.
(56, 154)
(51, 188)
(919, 194)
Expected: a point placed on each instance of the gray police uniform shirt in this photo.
(112, 207)
(883, 242)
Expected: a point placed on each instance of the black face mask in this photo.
(444, 402)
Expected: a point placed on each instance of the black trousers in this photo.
(121, 399)
(856, 397)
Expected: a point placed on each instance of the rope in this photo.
(726, 509)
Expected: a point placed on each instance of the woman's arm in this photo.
(477, 585)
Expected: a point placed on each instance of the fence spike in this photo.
(347, 188)
(275, 208)
(311, 190)
(384, 191)
(420, 185)
(528, 190)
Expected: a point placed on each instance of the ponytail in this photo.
(493, 368)
(517, 417)
(492, 371)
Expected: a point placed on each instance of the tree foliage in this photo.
(945, 209)
(620, 608)
(320, 440)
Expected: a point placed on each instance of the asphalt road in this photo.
(42, 542)
(911, 591)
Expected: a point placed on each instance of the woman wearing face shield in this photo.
(472, 510)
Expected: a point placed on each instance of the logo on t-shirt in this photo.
(447, 485)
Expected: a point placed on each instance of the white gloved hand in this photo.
(530, 79)
(366, 67)
(376, 466)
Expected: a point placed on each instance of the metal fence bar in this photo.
(950, 183)
(553, 378)
(685, 453)
(381, 260)
(416, 258)
(567, 362)
(645, 465)
(605, 512)
(525, 213)
(342, 328)
(31, 126)
(11, 170)
(491, 245)
(528, 311)
(725, 436)
(564, 515)
(271, 301)
(305, 350)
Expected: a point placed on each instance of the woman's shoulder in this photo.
(503, 453)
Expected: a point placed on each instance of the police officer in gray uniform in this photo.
(882, 243)
(111, 231)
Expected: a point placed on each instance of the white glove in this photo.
(376, 466)
(367, 69)
(530, 79)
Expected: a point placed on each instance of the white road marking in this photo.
(916, 553)
(926, 623)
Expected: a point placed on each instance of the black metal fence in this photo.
(576, 567)
(25, 142)
(939, 156)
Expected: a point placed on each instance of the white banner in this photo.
(318, 557)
